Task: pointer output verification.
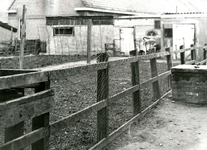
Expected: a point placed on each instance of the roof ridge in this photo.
(11, 4)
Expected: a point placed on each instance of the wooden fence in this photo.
(15, 108)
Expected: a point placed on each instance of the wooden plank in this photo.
(180, 51)
(124, 93)
(26, 139)
(9, 94)
(190, 62)
(121, 62)
(193, 52)
(14, 132)
(19, 80)
(154, 79)
(89, 41)
(73, 118)
(151, 80)
(70, 71)
(136, 81)
(169, 66)
(164, 74)
(102, 93)
(37, 123)
(202, 62)
(204, 53)
(23, 37)
(136, 58)
(101, 144)
(154, 73)
(7, 72)
(41, 121)
(154, 55)
(182, 58)
(21, 109)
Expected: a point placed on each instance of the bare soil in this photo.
(172, 125)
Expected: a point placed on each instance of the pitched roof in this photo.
(66, 7)
(144, 6)
(8, 27)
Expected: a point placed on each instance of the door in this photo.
(127, 40)
(183, 34)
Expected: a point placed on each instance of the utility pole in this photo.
(23, 36)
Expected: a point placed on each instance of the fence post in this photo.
(136, 81)
(102, 93)
(41, 121)
(182, 55)
(154, 73)
(204, 51)
(169, 65)
(193, 53)
(89, 32)
(23, 36)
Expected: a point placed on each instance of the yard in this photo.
(73, 93)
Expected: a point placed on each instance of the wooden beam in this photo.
(124, 93)
(136, 81)
(42, 120)
(154, 73)
(73, 118)
(26, 140)
(190, 62)
(70, 71)
(26, 107)
(89, 40)
(19, 80)
(202, 62)
(23, 37)
(101, 144)
(102, 93)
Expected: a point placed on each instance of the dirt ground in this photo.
(171, 125)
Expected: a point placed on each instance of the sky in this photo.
(4, 4)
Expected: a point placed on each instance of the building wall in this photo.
(200, 29)
(36, 13)
(6, 34)
(141, 27)
(36, 29)
(77, 44)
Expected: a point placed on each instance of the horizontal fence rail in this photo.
(39, 104)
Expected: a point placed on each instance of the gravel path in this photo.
(170, 126)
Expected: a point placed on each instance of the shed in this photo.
(184, 29)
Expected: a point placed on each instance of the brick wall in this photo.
(189, 86)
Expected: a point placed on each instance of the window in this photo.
(157, 24)
(63, 31)
(168, 33)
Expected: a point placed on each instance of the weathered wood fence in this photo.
(15, 108)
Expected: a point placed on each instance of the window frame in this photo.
(56, 28)
(157, 24)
